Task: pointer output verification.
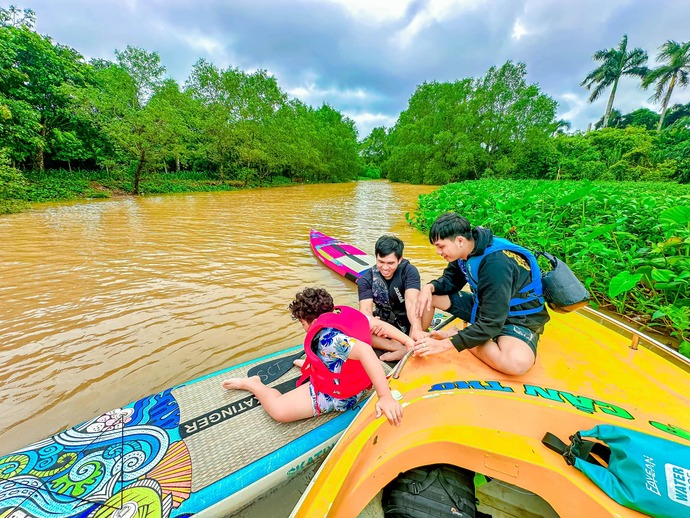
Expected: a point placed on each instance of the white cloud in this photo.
(366, 121)
(576, 103)
(519, 30)
(206, 44)
(377, 11)
(358, 100)
(435, 11)
(311, 93)
(132, 5)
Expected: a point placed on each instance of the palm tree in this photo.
(560, 126)
(675, 70)
(615, 63)
(614, 120)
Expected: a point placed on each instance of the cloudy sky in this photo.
(365, 57)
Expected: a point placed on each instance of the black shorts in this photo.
(402, 326)
(461, 304)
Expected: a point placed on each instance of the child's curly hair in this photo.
(310, 303)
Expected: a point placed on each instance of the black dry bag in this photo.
(562, 290)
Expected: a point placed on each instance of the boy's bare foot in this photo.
(393, 356)
(298, 363)
(240, 383)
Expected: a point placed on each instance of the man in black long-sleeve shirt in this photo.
(506, 320)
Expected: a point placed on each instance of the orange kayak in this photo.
(459, 411)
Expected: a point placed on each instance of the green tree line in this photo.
(499, 126)
(74, 128)
(126, 117)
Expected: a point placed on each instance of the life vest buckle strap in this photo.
(524, 312)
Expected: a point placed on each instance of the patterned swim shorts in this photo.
(323, 403)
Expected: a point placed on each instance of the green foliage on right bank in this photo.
(421, 149)
(499, 126)
(629, 242)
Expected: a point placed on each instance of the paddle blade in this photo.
(286, 386)
(273, 369)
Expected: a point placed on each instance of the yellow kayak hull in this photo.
(459, 411)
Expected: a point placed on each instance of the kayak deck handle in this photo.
(399, 367)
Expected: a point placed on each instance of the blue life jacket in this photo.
(531, 292)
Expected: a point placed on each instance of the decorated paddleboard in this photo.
(341, 257)
(192, 448)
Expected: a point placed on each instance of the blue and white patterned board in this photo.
(190, 448)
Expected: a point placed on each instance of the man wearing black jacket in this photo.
(503, 336)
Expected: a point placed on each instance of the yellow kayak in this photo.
(457, 410)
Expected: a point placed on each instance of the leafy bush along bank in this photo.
(17, 190)
(629, 242)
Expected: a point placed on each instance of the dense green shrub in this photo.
(13, 187)
(370, 173)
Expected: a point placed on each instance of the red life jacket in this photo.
(352, 378)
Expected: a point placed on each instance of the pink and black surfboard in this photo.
(341, 257)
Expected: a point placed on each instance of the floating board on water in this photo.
(341, 257)
(194, 448)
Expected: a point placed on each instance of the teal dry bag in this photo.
(640, 471)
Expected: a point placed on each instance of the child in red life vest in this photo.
(340, 364)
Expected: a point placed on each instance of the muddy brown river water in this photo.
(104, 302)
